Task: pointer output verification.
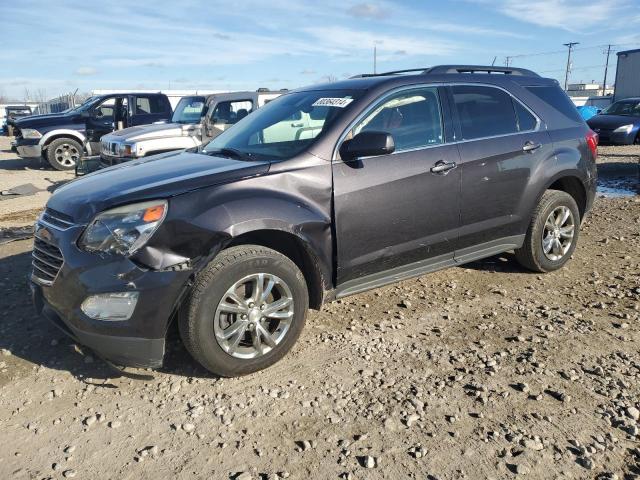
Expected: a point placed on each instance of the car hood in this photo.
(611, 121)
(149, 132)
(158, 176)
(35, 121)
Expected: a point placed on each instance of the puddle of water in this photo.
(618, 186)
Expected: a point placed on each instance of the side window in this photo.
(526, 121)
(484, 111)
(149, 105)
(555, 97)
(105, 109)
(412, 117)
(231, 111)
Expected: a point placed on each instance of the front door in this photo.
(402, 209)
(100, 121)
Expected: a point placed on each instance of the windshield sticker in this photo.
(332, 102)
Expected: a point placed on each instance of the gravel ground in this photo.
(485, 371)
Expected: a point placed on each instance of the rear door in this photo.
(394, 210)
(147, 109)
(501, 144)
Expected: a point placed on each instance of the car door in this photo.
(225, 113)
(148, 109)
(398, 211)
(501, 144)
(100, 121)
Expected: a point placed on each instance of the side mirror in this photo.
(367, 144)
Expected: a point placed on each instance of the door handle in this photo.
(297, 125)
(443, 167)
(530, 146)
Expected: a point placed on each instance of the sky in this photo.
(54, 47)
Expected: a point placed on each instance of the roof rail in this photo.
(393, 72)
(480, 69)
(440, 69)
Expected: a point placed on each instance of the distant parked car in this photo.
(13, 112)
(588, 111)
(197, 119)
(618, 124)
(64, 138)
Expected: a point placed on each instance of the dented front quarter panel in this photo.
(293, 197)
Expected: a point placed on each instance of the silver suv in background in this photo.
(197, 119)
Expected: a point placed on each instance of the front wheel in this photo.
(246, 310)
(64, 153)
(553, 233)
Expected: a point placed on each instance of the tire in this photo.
(205, 318)
(532, 254)
(64, 153)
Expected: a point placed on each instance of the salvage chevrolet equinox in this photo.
(324, 192)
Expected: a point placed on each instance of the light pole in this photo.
(566, 75)
(606, 67)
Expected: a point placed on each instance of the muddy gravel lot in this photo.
(484, 371)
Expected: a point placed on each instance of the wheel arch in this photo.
(49, 137)
(572, 185)
(294, 248)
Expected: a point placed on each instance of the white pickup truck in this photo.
(196, 120)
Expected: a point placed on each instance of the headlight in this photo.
(30, 133)
(127, 150)
(123, 230)
(624, 129)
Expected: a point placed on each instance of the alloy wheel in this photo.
(558, 232)
(254, 316)
(67, 155)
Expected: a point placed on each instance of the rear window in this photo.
(558, 100)
(484, 111)
(149, 105)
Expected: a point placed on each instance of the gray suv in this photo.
(325, 192)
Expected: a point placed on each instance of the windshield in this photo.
(285, 126)
(86, 105)
(188, 110)
(624, 107)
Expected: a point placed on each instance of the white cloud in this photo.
(367, 10)
(85, 71)
(570, 15)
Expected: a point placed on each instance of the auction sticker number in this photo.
(332, 102)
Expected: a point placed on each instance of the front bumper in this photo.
(609, 137)
(138, 341)
(108, 160)
(29, 151)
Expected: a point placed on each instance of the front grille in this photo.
(109, 148)
(56, 219)
(47, 261)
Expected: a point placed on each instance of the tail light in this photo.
(592, 141)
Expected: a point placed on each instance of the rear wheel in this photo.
(246, 310)
(552, 234)
(64, 153)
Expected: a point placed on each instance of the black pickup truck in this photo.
(64, 138)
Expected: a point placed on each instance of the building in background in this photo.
(173, 95)
(628, 74)
(590, 94)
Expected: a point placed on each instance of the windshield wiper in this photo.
(231, 152)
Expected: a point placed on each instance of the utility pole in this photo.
(375, 54)
(606, 67)
(507, 61)
(566, 75)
